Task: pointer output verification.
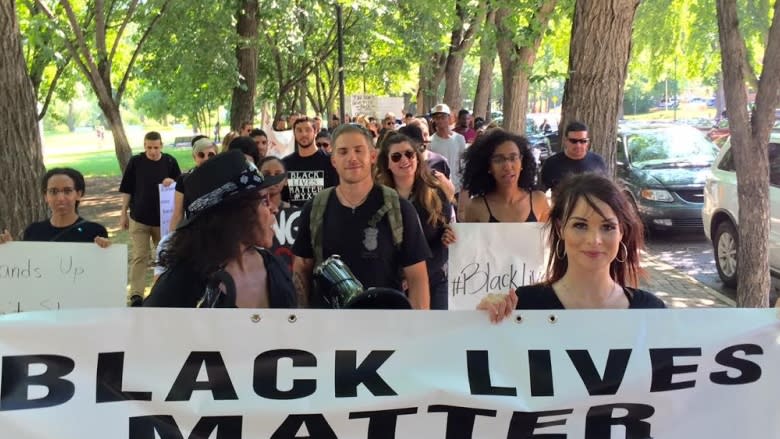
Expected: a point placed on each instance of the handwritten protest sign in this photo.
(222, 373)
(366, 105)
(167, 197)
(493, 258)
(43, 275)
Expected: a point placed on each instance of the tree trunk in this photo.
(21, 157)
(431, 75)
(114, 120)
(598, 60)
(749, 138)
(484, 85)
(461, 40)
(242, 106)
(452, 94)
(517, 61)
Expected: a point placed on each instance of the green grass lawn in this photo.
(103, 163)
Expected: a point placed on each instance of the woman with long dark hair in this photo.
(595, 237)
(218, 255)
(63, 189)
(401, 166)
(499, 173)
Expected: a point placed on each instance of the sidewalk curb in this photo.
(653, 264)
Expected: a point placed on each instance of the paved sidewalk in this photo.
(677, 289)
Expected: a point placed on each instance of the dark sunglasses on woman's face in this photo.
(323, 144)
(396, 156)
(203, 155)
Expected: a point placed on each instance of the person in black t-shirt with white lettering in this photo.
(574, 159)
(309, 169)
(350, 225)
(63, 189)
(141, 195)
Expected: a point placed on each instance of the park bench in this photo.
(180, 142)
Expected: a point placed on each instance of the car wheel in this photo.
(725, 248)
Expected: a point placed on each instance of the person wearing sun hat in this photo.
(218, 255)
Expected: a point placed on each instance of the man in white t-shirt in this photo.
(447, 142)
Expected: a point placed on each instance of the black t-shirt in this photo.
(140, 180)
(181, 182)
(439, 251)
(181, 287)
(557, 167)
(307, 176)
(374, 260)
(80, 231)
(542, 296)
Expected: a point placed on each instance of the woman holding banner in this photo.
(595, 236)
(499, 173)
(209, 264)
(402, 167)
(63, 189)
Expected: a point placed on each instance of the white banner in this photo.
(231, 374)
(57, 275)
(493, 258)
(167, 201)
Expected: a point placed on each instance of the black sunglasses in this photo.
(396, 156)
(202, 155)
(583, 141)
(323, 144)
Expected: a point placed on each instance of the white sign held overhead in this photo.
(59, 275)
(493, 258)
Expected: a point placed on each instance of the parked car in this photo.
(663, 168)
(721, 211)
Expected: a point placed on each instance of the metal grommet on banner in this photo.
(292, 318)
(518, 318)
(255, 318)
(552, 318)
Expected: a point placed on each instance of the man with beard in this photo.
(309, 169)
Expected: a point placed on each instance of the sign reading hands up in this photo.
(47, 275)
(493, 258)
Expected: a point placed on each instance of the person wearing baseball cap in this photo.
(447, 142)
(218, 256)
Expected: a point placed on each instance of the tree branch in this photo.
(120, 91)
(125, 21)
(768, 93)
(50, 92)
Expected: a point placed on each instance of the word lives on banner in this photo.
(493, 258)
(283, 374)
(61, 275)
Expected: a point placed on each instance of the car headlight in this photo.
(657, 195)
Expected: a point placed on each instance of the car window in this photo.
(774, 164)
(673, 146)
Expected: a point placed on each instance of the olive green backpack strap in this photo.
(318, 206)
(392, 208)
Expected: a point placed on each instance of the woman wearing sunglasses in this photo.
(401, 166)
(202, 150)
(499, 173)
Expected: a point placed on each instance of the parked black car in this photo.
(663, 167)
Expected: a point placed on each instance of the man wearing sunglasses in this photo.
(574, 159)
(203, 149)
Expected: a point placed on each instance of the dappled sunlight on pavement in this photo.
(678, 289)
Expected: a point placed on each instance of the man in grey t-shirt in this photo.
(446, 142)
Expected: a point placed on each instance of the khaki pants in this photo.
(141, 254)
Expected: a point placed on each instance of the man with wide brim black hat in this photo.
(218, 256)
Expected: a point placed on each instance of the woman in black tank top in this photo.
(500, 170)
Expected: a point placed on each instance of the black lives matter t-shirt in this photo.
(307, 176)
(371, 255)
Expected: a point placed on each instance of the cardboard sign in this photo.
(493, 258)
(59, 275)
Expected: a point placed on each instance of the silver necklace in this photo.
(350, 204)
